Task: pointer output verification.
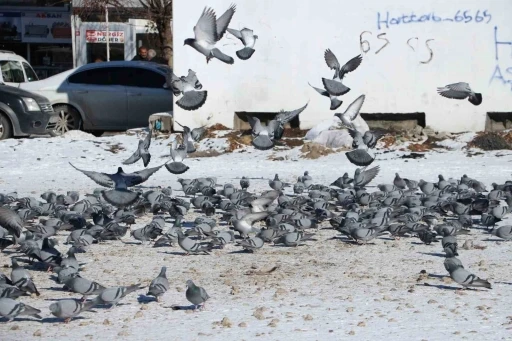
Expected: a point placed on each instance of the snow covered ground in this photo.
(326, 290)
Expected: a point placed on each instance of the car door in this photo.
(100, 97)
(146, 95)
(12, 72)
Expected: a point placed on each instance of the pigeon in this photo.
(244, 225)
(208, 31)
(364, 177)
(248, 38)
(262, 136)
(284, 117)
(244, 183)
(178, 154)
(351, 112)
(141, 152)
(335, 101)
(11, 309)
(21, 278)
(159, 285)
(503, 232)
(11, 221)
(113, 295)
(196, 295)
(190, 245)
(194, 135)
(69, 308)
(251, 244)
(83, 286)
(464, 277)
(189, 86)
(335, 87)
(460, 91)
(10, 291)
(120, 196)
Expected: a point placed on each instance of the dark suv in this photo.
(24, 113)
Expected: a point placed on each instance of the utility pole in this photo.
(108, 31)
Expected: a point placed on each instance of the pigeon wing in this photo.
(369, 175)
(247, 37)
(251, 218)
(101, 179)
(223, 21)
(331, 60)
(236, 33)
(354, 107)
(320, 91)
(205, 29)
(136, 178)
(255, 123)
(350, 66)
(192, 100)
(287, 116)
(147, 140)
(334, 87)
(132, 159)
(455, 91)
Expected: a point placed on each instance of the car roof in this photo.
(11, 56)
(146, 65)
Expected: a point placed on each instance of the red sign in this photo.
(116, 37)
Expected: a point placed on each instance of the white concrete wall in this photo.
(294, 36)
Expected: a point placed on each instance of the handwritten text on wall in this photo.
(461, 16)
(502, 74)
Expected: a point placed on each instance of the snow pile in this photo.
(459, 142)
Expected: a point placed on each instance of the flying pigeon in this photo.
(244, 225)
(283, 117)
(11, 309)
(196, 295)
(335, 87)
(351, 112)
(189, 86)
(194, 135)
(178, 154)
(208, 31)
(460, 90)
(364, 177)
(141, 152)
(335, 102)
(247, 37)
(262, 136)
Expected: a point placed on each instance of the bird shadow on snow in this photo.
(438, 286)
(493, 240)
(145, 299)
(21, 319)
(435, 254)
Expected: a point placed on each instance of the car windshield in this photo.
(12, 71)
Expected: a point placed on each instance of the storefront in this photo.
(40, 36)
(90, 40)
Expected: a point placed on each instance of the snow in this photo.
(327, 290)
(459, 142)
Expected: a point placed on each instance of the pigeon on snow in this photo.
(11, 309)
(141, 152)
(196, 295)
(460, 90)
(208, 31)
(189, 86)
(248, 38)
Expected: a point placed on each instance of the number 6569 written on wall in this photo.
(365, 45)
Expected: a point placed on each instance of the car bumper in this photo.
(38, 123)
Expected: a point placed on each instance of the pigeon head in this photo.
(189, 41)
(120, 170)
(190, 284)
(54, 308)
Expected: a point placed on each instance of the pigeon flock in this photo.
(288, 214)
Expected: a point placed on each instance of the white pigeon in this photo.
(248, 38)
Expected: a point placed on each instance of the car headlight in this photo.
(31, 104)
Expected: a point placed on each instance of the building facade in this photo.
(409, 49)
(42, 35)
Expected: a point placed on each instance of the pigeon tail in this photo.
(146, 157)
(31, 311)
(176, 167)
(120, 198)
(245, 53)
(192, 100)
(262, 142)
(335, 103)
(476, 99)
(216, 53)
(335, 88)
(191, 148)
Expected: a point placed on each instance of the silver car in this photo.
(107, 96)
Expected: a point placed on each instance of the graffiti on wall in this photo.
(502, 74)
(365, 45)
(461, 16)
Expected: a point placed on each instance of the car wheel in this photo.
(69, 119)
(5, 127)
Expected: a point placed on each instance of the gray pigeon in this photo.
(284, 117)
(460, 91)
(10, 308)
(351, 112)
(464, 277)
(10, 291)
(190, 87)
(251, 244)
(178, 154)
(262, 136)
(69, 308)
(208, 31)
(503, 232)
(335, 101)
(335, 87)
(141, 152)
(244, 225)
(364, 177)
(248, 38)
(159, 285)
(113, 295)
(21, 278)
(11, 221)
(196, 295)
(244, 183)
(83, 286)
(191, 246)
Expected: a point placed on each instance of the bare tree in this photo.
(160, 12)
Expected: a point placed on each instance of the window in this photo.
(12, 72)
(143, 78)
(100, 76)
(31, 75)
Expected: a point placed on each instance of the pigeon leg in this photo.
(49, 269)
(67, 320)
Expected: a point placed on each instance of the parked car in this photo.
(23, 113)
(107, 96)
(15, 69)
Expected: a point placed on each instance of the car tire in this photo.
(5, 127)
(96, 133)
(69, 119)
